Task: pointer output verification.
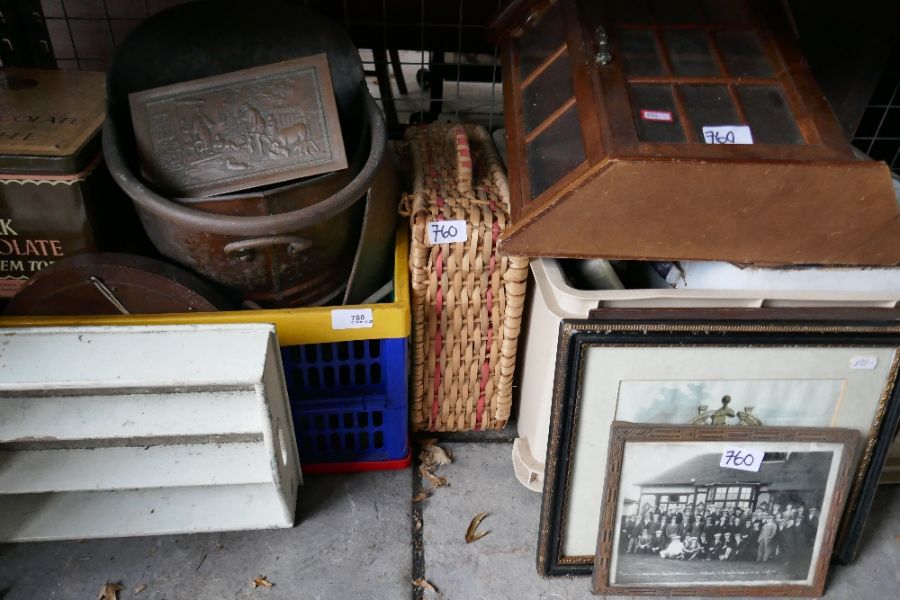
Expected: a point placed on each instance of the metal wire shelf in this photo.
(425, 61)
(878, 134)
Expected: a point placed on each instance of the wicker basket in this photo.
(466, 299)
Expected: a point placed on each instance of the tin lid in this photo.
(49, 120)
(110, 283)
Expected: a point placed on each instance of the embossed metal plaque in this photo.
(240, 130)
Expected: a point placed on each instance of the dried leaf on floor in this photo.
(472, 535)
(110, 591)
(432, 454)
(418, 523)
(425, 585)
(140, 589)
(420, 496)
(261, 581)
(433, 479)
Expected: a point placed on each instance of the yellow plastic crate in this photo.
(294, 325)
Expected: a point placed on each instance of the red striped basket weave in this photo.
(467, 300)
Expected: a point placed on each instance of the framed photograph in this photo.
(739, 511)
(708, 373)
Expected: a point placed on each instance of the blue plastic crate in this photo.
(349, 399)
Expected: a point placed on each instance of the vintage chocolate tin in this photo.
(49, 151)
(240, 130)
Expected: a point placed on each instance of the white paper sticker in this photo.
(864, 362)
(447, 232)
(657, 115)
(742, 459)
(352, 318)
(728, 134)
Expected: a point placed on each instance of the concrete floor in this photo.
(357, 537)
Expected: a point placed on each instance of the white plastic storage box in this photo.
(706, 275)
(118, 431)
(553, 298)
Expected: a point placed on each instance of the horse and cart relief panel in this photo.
(240, 130)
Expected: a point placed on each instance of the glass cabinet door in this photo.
(698, 74)
(550, 123)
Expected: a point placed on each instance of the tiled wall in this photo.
(878, 134)
(83, 33)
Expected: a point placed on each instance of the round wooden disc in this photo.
(109, 284)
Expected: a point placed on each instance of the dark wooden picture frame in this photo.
(854, 329)
(718, 439)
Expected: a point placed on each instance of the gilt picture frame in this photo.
(846, 367)
(738, 511)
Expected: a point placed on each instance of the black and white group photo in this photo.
(698, 521)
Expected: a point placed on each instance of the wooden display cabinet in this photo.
(608, 108)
